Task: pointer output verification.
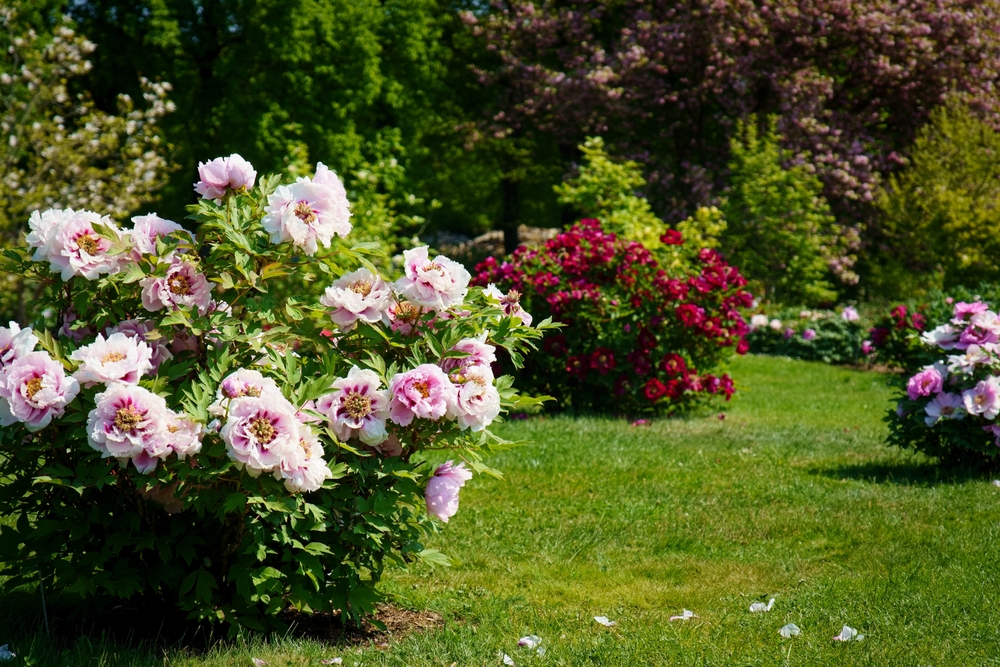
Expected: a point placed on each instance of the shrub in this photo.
(179, 431)
(816, 335)
(637, 339)
(942, 208)
(780, 230)
(948, 408)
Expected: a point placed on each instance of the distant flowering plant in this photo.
(949, 407)
(830, 336)
(637, 338)
(177, 428)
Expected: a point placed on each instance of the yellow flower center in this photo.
(307, 448)
(263, 430)
(88, 244)
(32, 387)
(127, 418)
(362, 287)
(422, 387)
(112, 357)
(179, 285)
(305, 213)
(252, 391)
(357, 404)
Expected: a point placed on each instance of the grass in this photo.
(792, 496)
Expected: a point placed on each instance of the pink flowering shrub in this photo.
(637, 337)
(176, 429)
(949, 405)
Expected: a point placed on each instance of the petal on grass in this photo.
(258, 662)
(605, 621)
(505, 659)
(685, 615)
(332, 661)
(848, 634)
(758, 607)
(531, 641)
(6, 653)
(789, 631)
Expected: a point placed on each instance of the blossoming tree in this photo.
(178, 430)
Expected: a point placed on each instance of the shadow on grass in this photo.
(908, 472)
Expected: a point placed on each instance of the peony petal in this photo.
(685, 615)
(6, 653)
(789, 631)
(505, 659)
(996, 482)
(603, 620)
(531, 641)
(758, 607)
(848, 634)
(258, 662)
(332, 661)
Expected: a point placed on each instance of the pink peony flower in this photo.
(850, 314)
(983, 399)
(867, 347)
(438, 284)
(147, 228)
(963, 310)
(966, 363)
(510, 303)
(478, 353)
(128, 422)
(403, 316)
(72, 247)
(75, 334)
(259, 432)
(944, 406)
(35, 389)
(477, 401)
(357, 408)
(309, 212)
(358, 295)
(181, 435)
(117, 358)
(442, 490)
(15, 342)
(231, 173)
(182, 286)
(423, 392)
(244, 383)
(138, 329)
(809, 334)
(302, 468)
(758, 321)
(924, 383)
(944, 336)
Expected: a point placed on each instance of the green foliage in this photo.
(780, 230)
(940, 222)
(831, 338)
(606, 189)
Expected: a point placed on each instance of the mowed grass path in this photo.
(791, 496)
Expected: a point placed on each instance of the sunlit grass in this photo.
(792, 496)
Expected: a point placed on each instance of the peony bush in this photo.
(815, 335)
(950, 405)
(176, 432)
(637, 337)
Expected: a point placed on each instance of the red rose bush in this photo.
(642, 333)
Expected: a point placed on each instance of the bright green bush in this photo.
(940, 215)
(780, 230)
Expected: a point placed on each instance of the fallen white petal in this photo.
(505, 659)
(541, 650)
(685, 615)
(332, 661)
(789, 631)
(848, 634)
(531, 641)
(996, 482)
(603, 620)
(757, 607)
(258, 662)
(6, 653)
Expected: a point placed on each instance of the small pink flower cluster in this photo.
(265, 433)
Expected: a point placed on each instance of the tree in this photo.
(780, 231)
(944, 207)
(665, 82)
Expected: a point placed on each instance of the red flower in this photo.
(690, 314)
(673, 365)
(899, 314)
(602, 360)
(555, 345)
(743, 346)
(577, 366)
(879, 335)
(654, 390)
(919, 321)
(672, 237)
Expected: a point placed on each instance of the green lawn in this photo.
(791, 496)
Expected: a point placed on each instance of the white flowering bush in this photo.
(176, 431)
